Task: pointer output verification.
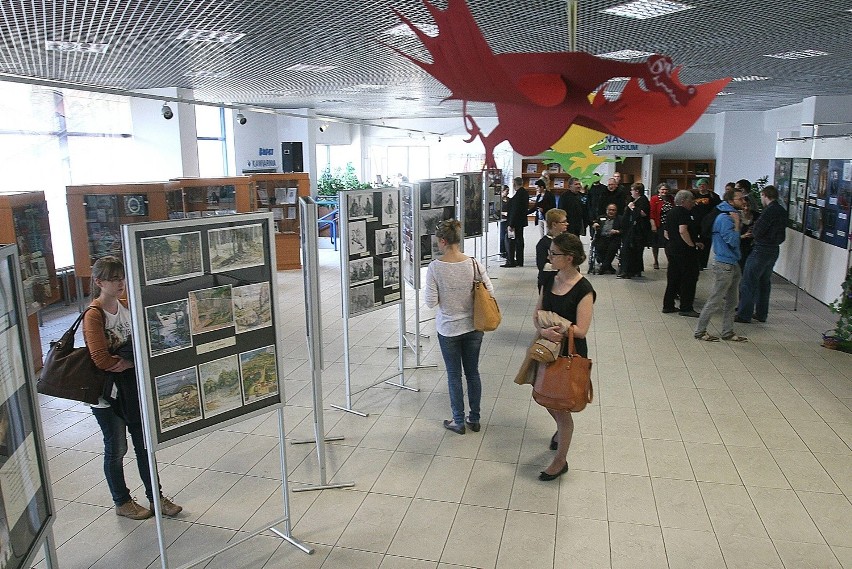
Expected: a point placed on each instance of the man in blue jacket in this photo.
(726, 270)
(769, 232)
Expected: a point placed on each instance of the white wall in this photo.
(256, 143)
(744, 149)
(161, 144)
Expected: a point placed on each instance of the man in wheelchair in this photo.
(606, 239)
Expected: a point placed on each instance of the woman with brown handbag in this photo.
(107, 335)
(570, 295)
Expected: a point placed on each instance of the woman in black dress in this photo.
(570, 295)
(637, 228)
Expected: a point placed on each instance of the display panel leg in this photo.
(50, 550)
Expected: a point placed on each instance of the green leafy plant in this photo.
(843, 307)
(330, 183)
(754, 195)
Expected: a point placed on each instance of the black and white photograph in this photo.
(361, 299)
(280, 195)
(390, 272)
(252, 307)
(236, 247)
(390, 209)
(472, 201)
(291, 195)
(211, 309)
(168, 327)
(430, 218)
(443, 194)
(357, 237)
(220, 385)
(361, 271)
(387, 241)
(172, 257)
(259, 374)
(178, 401)
(360, 205)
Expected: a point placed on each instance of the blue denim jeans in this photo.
(115, 430)
(463, 352)
(756, 284)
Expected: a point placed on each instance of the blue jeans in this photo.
(463, 352)
(756, 284)
(115, 430)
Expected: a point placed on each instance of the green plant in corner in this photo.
(754, 195)
(341, 179)
(843, 306)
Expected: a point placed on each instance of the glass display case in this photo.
(279, 193)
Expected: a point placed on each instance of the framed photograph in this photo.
(280, 195)
(211, 309)
(259, 375)
(361, 299)
(178, 401)
(360, 205)
(234, 248)
(429, 220)
(361, 271)
(532, 168)
(390, 208)
(291, 195)
(220, 385)
(168, 327)
(172, 257)
(387, 241)
(390, 272)
(443, 194)
(135, 205)
(252, 307)
(357, 237)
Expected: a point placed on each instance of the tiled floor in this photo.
(694, 455)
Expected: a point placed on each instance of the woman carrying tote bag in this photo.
(570, 295)
(107, 335)
(449, 280)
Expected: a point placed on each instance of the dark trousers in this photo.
(115, 431)
(681, 279)
(757, 282)
(515, 248)
(704, 254)
(606, 249)
(504, 227)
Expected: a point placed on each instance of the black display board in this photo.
(828, 203)
(203, 298)
(371, 252)
(26, 506)
(471, 204)
(798, 193)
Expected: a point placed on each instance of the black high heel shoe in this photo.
(553, 443)
(545, 477)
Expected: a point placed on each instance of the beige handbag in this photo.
(486, 313)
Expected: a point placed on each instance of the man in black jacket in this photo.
(769, 233)
(612, 195)
(519, 205)
(607, 234)
(570, 203)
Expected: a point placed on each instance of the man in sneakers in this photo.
(726, 270)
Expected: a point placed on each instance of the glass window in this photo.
(211, 158)
(208, 121)
(96, 113)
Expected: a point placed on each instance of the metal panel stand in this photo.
(310, 276)
(50, 558)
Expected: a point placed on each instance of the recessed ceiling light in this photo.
(307, 67)
(212, 36)
(75, 46)
(749, 78)
(363, 87)
(644, 9)
(204, 74)
(333, 101)
(626, 54)
(723, 93)
(403, 30)
(798, 54)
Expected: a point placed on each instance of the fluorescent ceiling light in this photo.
(363, 87)
(75, 46)
(404, 31)
(645, 9)
(307, 67)
(626, 54)
(798, 54)
(723, 93)
(204, 74)
(211, 36)
(749, 78)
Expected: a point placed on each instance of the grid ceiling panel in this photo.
(713, 39)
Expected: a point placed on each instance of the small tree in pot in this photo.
(841, 337)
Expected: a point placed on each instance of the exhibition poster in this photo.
(437, 203)
(798, 193)
(783, 167)
(471, 204)
(828, 202)
(203, 298)
(410, 242)
(371, 250)
(25, 505)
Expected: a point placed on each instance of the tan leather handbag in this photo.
(486, 313)
(566, 384)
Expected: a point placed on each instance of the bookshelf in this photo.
(280, 193)
(682, 174)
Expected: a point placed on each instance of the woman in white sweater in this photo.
(449, 286)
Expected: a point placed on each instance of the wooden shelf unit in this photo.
(280, 193)
(24, 221)
(96, 213)
(188, 198)
(682, 174)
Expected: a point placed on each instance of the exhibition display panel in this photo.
(26, 503)
(472, 208)
(425, 204)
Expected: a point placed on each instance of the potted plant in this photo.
(328, 186)
(841, 337)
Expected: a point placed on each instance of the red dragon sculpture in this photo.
(539, 95)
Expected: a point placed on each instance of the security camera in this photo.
(167, 112)
(322, 128)
(241, 118)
